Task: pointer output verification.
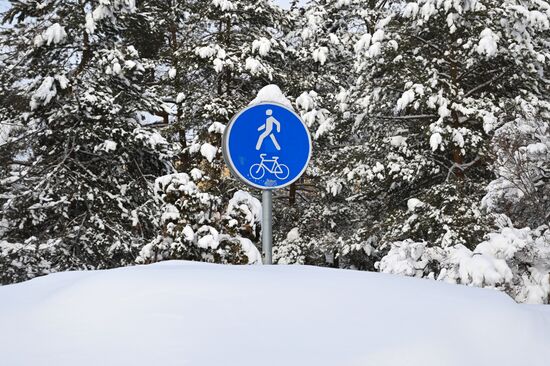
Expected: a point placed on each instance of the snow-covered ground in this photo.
(183, 313)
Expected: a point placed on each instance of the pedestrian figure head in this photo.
(269, 112)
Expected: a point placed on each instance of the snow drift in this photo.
(184, 313)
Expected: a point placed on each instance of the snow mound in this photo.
(262, 45)
(487, 43)
(184, 313)
(244, 202)
(209, 151)
(271, 93)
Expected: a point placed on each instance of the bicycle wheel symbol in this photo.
(257, 171)
(282, 172)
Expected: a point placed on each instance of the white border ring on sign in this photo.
(229, 161)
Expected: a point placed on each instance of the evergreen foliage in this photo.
(77, 170)
(430, 121)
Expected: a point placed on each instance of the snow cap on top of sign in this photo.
(271, 93)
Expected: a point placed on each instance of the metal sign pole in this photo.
(267, 204)
(267, 146)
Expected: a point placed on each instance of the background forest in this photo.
(430, 122)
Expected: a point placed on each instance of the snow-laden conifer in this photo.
(78, 167)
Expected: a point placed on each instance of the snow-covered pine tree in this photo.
(327, 226)
(195, 227)
(521, 161)
(519, 198)
(198, 223)
(76, 175)
(436, 79)
(215, 57)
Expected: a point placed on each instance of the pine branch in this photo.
(481, 86)
(418, 116)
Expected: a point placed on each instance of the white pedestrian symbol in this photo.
(268, 126)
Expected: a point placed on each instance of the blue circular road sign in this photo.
(267, 146)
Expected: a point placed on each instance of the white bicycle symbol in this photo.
(257, 171)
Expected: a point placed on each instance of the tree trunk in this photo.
(292, 194)
(456, 154)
